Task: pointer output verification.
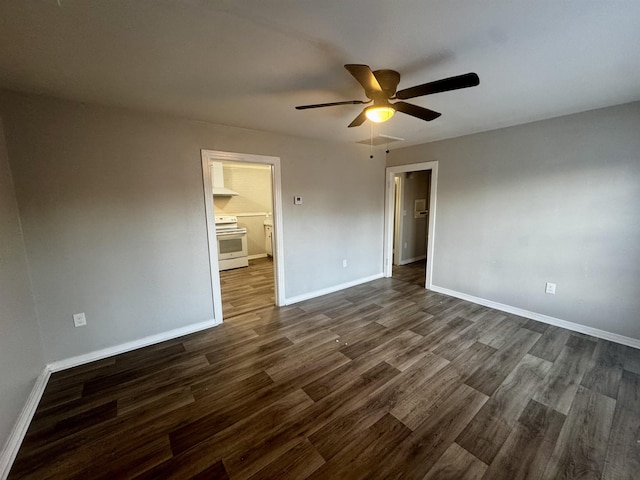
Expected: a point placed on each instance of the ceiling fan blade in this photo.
(416, 111)
(365, 77)
(359, 120)
(444, 85)
(320, 105)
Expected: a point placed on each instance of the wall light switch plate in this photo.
(297, 200)
(79, 319)
(550, 288)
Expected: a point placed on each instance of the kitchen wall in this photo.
(551, 201)
(112, 207)
(21, 357)
(415, 186)
(252, 205)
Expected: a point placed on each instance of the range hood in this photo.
(217, 178)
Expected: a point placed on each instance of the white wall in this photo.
(21, 358)
(252, 182)
(252, 205)
(556, 200)
(415, 186)
(112, 207)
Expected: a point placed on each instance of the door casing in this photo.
(391, 172)
(209, 156)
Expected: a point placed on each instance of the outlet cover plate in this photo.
(79, 319)
(550, 288)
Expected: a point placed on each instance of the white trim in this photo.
(278, 245)
(278, 235)
(255, 167)
(16, 436)
(12, 445)
(411, 260)
(389, 213)
(257, 255)
(335, 288)
(128, 346)
(249, 214)
(576, 327)
(398, 228)
(212, 244)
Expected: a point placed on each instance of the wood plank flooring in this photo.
(383, 380)
(248, 288)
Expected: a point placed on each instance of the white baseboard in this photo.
(411, 260)
(335, 288)
(257, 255)
(576, 327)
(128, 346)
(12, 445)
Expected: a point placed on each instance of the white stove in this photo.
(228, 223)
(232, 243)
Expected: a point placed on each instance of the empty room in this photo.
(330, 240)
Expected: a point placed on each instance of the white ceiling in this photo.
(248, 63)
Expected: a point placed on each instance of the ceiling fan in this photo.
(380, 87)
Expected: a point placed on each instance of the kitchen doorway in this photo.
(410, 213)
(243, 208)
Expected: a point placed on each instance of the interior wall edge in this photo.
(558, 322)
(22, 379)
(14, 441)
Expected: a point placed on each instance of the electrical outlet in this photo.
(79, 319)
(297, 200)
(344, 264)
(550, 288)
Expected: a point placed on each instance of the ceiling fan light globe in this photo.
(379, 114)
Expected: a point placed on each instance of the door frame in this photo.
(398, 184)
(209, 156)
(391, 172)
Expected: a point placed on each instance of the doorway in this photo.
(243, 284)
(410, 214)
(411, 217)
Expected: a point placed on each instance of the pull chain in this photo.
(371, 141)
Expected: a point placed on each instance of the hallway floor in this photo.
(413, 273)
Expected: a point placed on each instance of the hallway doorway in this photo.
(410, 219)
(411, 216)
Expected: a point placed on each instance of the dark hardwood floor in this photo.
(383, 380)
(413, 273)
(247, 289)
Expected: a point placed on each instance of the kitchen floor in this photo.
(247, 289)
